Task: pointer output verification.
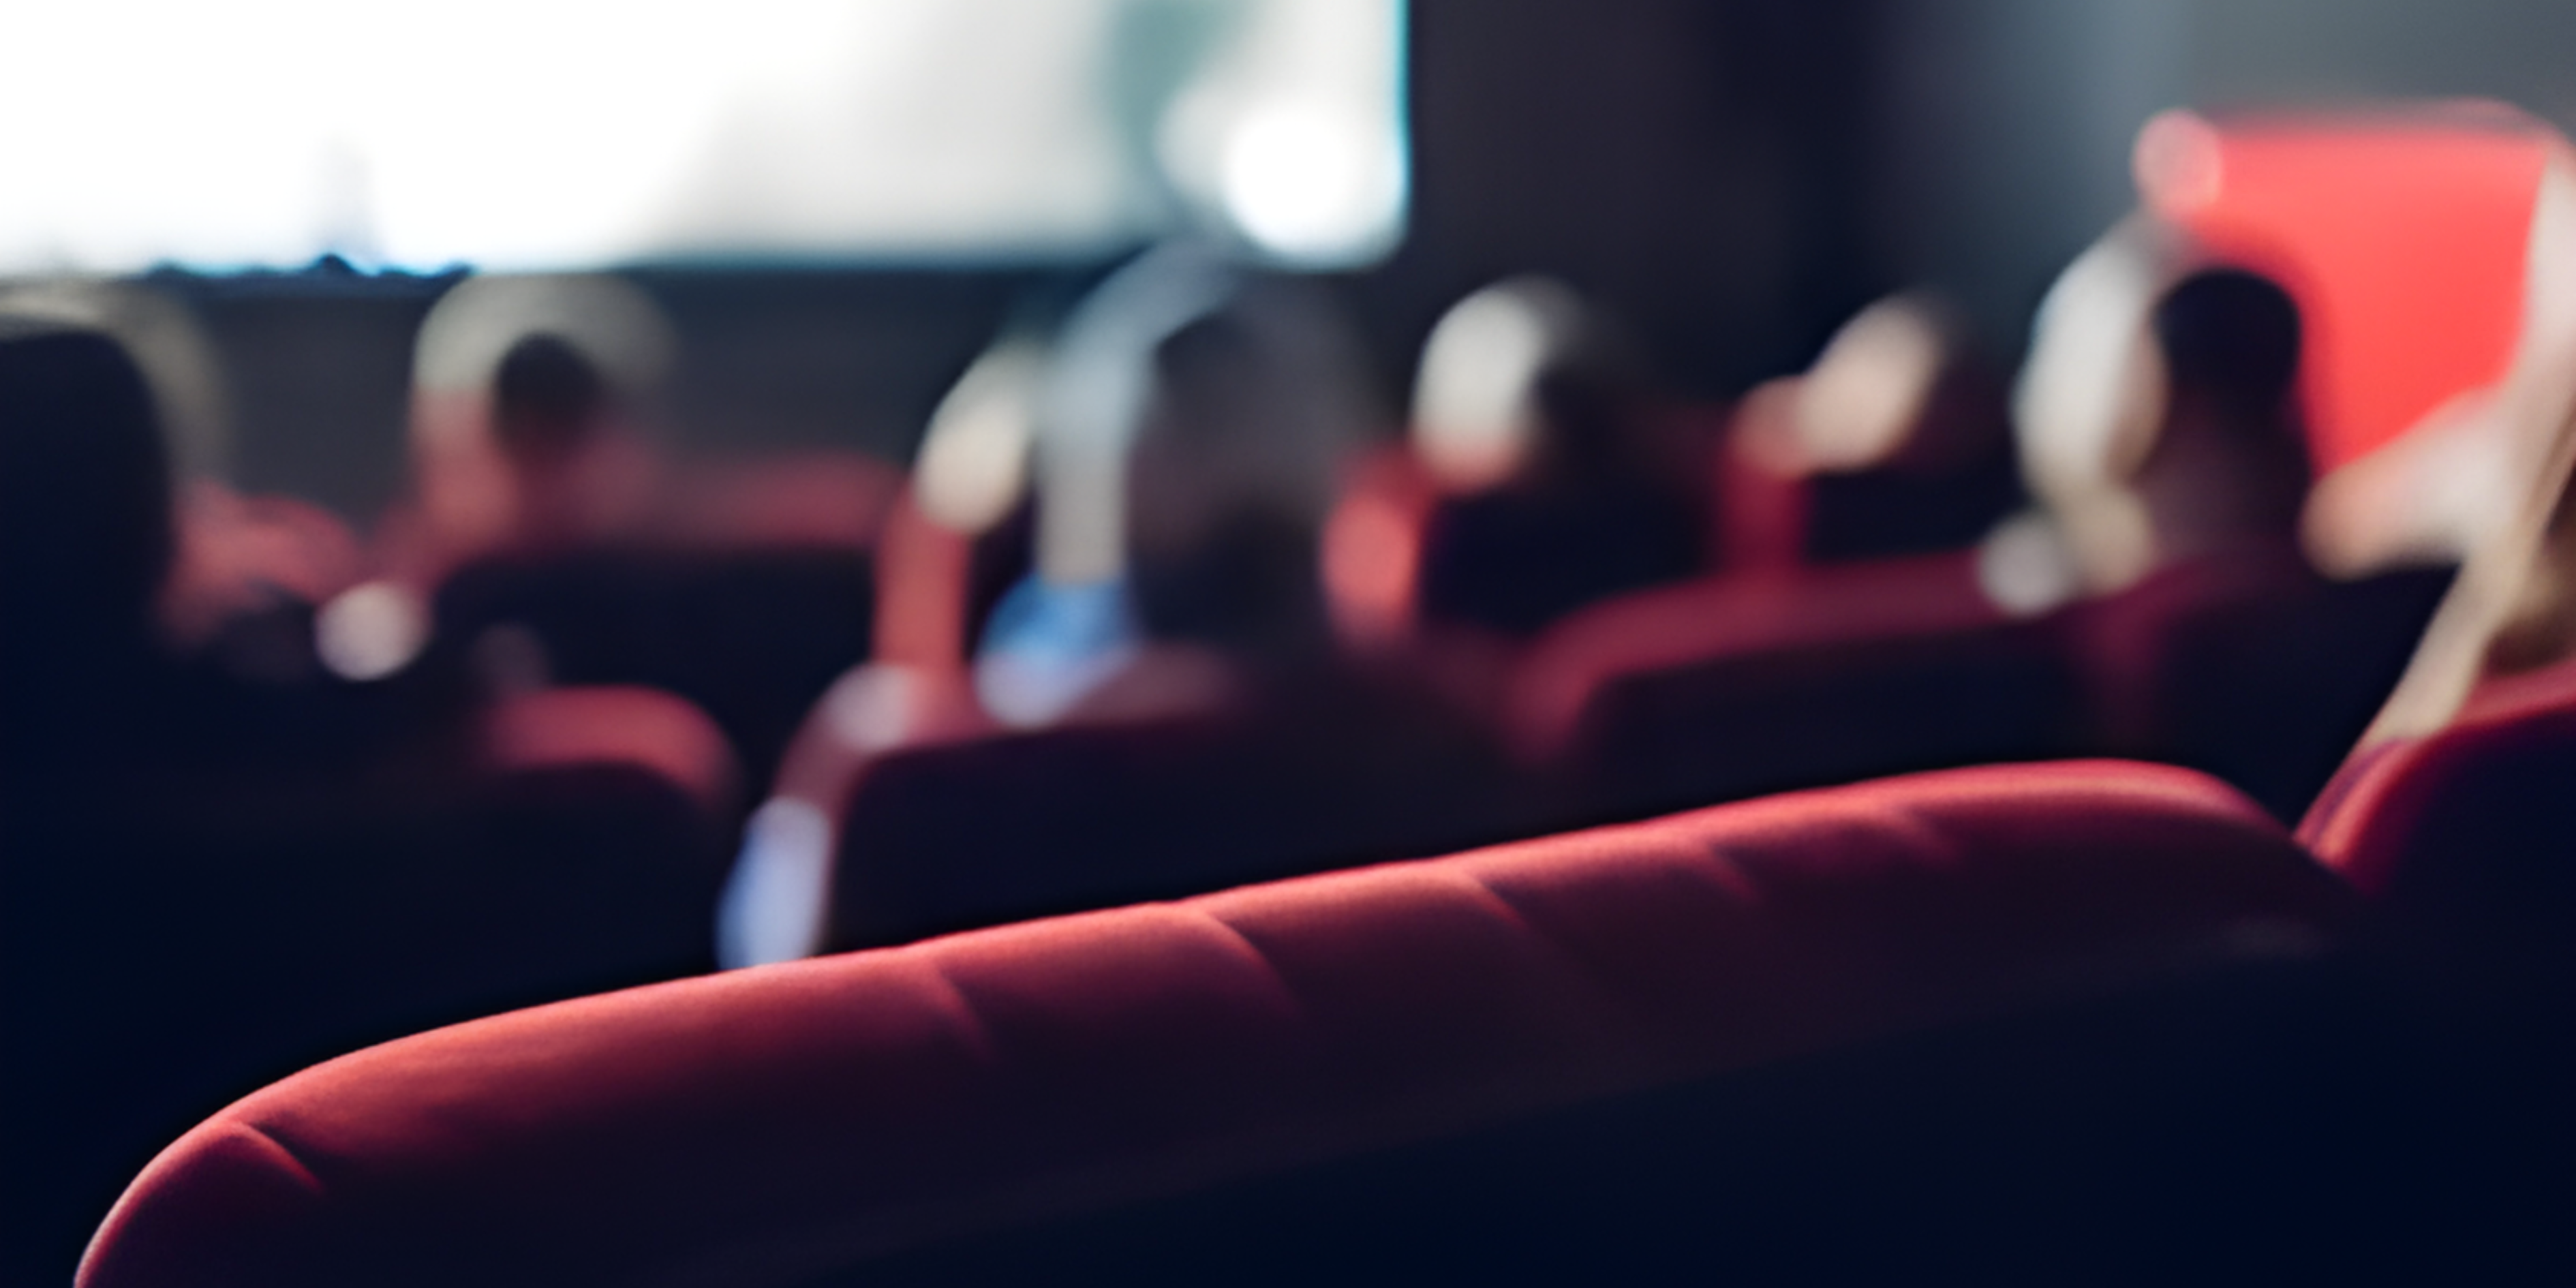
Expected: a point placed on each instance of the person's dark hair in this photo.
(2232, 335)
(2232, 451)
(1244, 576)
(547, 397)
(86, 533)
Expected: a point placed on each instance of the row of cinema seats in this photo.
(1136, 725)
(2161, 601)
(2083, 1020)
(222, 859)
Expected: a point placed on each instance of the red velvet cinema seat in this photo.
(785, 1124)
(2465, 832)
(2453, 813)
(1726, 688)
(1336, 771)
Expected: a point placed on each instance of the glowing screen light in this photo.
(1294, 137)
(575, 133)
(1306, 181)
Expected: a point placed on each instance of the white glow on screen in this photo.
(1295, 137)
(1308, 180)
(575, 133)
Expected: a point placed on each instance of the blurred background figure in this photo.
(530, 397)
(1895, 441)
(554, 539)
(1190, 433)
(248, 569)
(2208, 464)
(211, 874)
(2406, 309)
(1558, 490)
(1163, 691)
(87, 541)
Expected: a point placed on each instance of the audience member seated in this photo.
(2227, 652)
(249, 569)
(549, 545)
(1556, 489)
(206, 880)
(1895, 442)
(1856, 627)
(1158, 709)
(2418, 245)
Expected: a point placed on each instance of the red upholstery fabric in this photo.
(2462, 838)
(660, 733)
(1726, 689)
(2458, 796)
(925, 575)
(1707, 621)
(770, 1125)
(1173, 796)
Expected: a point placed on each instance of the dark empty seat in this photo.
(160, 961)
(1513, 561)
(754, 637)
(1093, 814)
(1730, 688)
(781, 1124)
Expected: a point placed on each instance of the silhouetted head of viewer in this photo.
(1193, 426)
(548, 401)
(86, 537)
(1224, 500)
(2230, 464)
(1530, 415)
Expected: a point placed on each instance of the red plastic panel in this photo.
(2403, 240)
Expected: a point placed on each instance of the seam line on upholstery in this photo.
(303, 1171)
(1529, 929)
(1913, 820)
(1278, 980)
(978, 1033)
(1730, 871)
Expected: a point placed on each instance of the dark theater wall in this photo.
(1701, 168)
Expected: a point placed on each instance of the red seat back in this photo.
(947, 835)
(775, 1125)
(2467, 824)
(1727, 688)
